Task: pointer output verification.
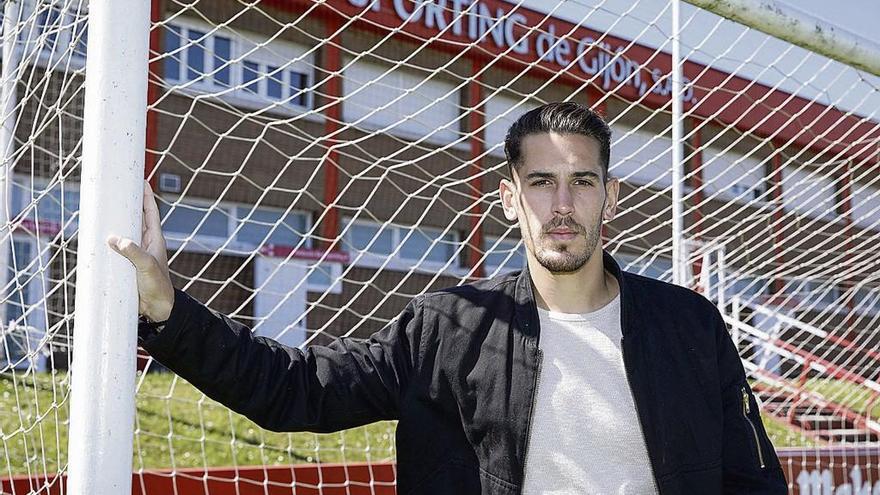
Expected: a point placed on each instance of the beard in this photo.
(565, 258)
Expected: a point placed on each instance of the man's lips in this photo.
(562, 234)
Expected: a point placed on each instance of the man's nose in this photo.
(562, 201)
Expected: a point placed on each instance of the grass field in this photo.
(177, 426)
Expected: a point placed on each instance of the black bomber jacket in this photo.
(458, 369)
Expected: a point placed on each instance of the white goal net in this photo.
(318, 164)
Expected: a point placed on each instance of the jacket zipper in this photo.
(746, 410)
(638, 416)
(532, 412)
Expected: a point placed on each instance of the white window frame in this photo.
(295, 57)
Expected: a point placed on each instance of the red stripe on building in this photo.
(155, 74)
(476, 120)
(333, 117)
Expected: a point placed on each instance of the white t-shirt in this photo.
(585, 436)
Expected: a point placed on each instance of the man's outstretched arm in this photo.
(350, 382)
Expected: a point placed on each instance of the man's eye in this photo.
(541, 182)
(583, 182)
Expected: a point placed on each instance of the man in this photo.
(569, 377)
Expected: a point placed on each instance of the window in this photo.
(54, 205)
(222, 54)
(59, 31)
(277, 71)
(416, 242)
(273, 83)
(408, 102)
(183, 218)
(46, 203)
(503, 255)
(17, 270)
(195, 56)
(172, 59)
(867, 300)
(80, 36)
(250, 73)
(256, 229)
(298, 82)
(23, 306)
(49, 23)
(368, 237)
(745, 287)
(378, 242)
(192, 55)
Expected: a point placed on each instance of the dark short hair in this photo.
(562, 118)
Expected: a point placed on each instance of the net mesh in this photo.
(319, 164)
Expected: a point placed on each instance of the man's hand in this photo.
(155, 292)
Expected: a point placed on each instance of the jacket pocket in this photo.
(746, 411)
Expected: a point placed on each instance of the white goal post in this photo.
(319, 163)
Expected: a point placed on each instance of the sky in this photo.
(859, 16)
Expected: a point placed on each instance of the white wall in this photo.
(420, 110)
(641, 157)
(806, 192)
(866, 206)
(501, 111)
(731, 176)
(277, 306)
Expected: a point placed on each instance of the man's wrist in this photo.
(145, 323)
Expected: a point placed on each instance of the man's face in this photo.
(560, 199)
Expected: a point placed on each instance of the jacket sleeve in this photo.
(349, 383)
(750, 464)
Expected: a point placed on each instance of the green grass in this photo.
(851, 395)
(784, 436)
(175, 426)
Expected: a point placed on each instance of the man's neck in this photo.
(583, 291)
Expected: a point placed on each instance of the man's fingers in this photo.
(128, 248)
(151, 209)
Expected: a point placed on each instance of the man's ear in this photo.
(507, 192)
(612, 192)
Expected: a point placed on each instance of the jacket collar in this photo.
(527, 308)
